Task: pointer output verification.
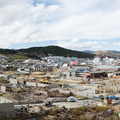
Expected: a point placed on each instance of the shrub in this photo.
(53, 112)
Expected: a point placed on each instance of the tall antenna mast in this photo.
(50, 42)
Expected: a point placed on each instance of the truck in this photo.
(113, 97)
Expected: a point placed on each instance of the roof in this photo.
(107, 67)
(117, 72)
(98, 72)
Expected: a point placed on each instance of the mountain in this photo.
(114, 51)
(7, 51)
(54, 50)
(37, 52)
(88, 51)
(108, 53)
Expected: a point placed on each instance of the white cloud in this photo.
(73, 20)
(80, 45)
(116, 43)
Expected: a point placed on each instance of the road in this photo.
(76, 104)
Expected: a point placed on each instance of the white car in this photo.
(71, 99)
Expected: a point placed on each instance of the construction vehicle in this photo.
(48, 103)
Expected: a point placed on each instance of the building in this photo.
(108, 68)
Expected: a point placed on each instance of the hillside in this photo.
(54, 50)
(37, 52)
(109, 53)
(7, 51)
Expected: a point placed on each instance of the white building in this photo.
(31, 84)
(97, 60)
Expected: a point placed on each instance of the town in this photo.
(59, 60)
(53, 87)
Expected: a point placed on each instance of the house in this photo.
(114, 75)
(6, 88)
(98, 74)
(69, 74)
(42, 67)
(24, 70)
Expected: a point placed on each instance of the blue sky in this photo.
(73, 24)
(47, 2)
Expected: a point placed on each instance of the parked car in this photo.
(71, 99)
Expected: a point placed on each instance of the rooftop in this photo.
(4, 100)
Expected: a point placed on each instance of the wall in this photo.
(4, 100)
(31, 84)
(53, 85)
(13, 81)
(3, 88)
(20, 80)
(41, 85)
(6, 108)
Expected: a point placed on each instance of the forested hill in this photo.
(54, 50)
(36, 52)
(7, 51)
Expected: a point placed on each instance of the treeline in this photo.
(7, 51)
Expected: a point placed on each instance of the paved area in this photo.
(76, 104)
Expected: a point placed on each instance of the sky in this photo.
(72, 24)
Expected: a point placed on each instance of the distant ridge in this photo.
(108, 53)
(88, 51)
(37, 52)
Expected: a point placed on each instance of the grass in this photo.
(19, 57)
